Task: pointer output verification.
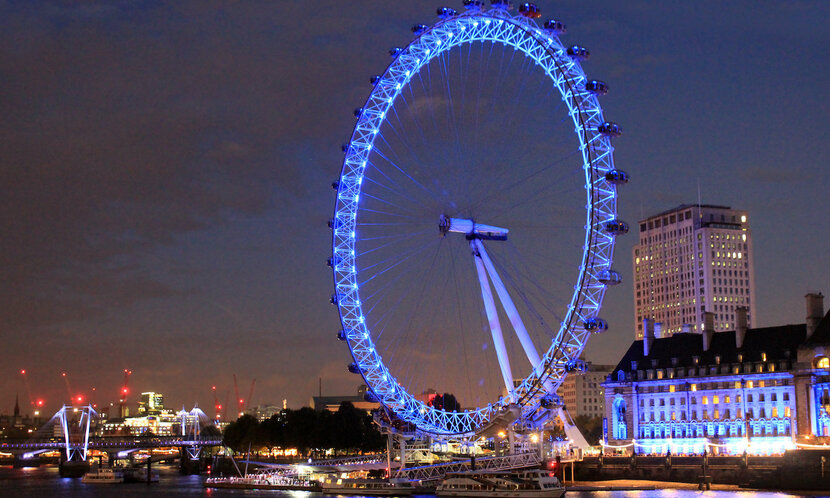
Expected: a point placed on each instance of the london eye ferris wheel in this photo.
(475, 218)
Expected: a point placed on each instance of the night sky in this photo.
(166, 168)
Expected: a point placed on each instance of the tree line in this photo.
(348, 430)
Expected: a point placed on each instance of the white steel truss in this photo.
(601, 225)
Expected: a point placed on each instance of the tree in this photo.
(591, 427)
(373, 440)
(347, 427)
(241, 432)
(446, 402)
(302, 429)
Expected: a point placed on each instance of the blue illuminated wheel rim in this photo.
(561, 65)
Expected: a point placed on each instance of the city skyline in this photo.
(167, 172)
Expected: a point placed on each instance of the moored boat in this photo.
(369, 487)
(102, 476)
(533, 483)
(263, 480)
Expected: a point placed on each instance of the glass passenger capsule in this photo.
(473, 4)
(616, 227)
(530, 10)
(596, 86)
(610, 129)
(596, 325)
(609, 277)
(445, 12)
(616, 176)
(555, 26)
(579, 53)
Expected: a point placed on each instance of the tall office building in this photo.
(583, 393)
(150, 403)
(689, 260)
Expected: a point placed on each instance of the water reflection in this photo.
(45, 482)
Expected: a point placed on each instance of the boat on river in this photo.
(532, 483)
(102, 476)
(264, 480)
(369, 487)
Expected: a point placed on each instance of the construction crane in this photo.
(26, 383)
(240, 403)
(251, 395)
(122, 399)
(227, 399)
(73, 399)
(216, 405)
(37, 404)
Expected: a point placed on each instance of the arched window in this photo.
(620, 428)
(821, 362)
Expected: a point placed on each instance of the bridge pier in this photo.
(72, 468)
(190, 461)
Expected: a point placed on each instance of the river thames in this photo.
(45, 482)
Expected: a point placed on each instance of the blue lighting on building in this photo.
(759, 391)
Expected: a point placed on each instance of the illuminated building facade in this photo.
(583, 393)
(362, 401)
(264, 412)
(151, 402)
(690, 260)
(160, 423)
(762, 390)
